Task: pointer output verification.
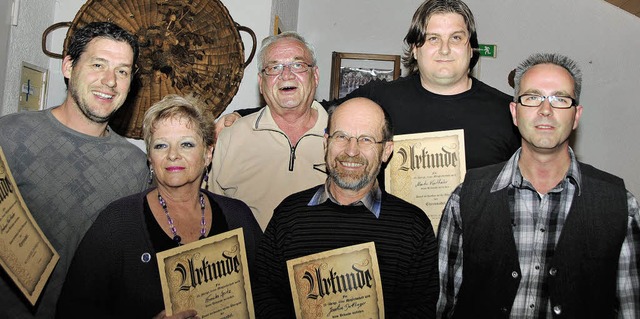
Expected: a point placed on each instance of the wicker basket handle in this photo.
(46, 33)
(253, 37)
(68, 24)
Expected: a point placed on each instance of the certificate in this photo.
(425, 169)
(25, 253)
(340, 283)
(209, 275)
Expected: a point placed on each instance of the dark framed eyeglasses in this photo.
(295, 67)
(556, 101)
(342, 139)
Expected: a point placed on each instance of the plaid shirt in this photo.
(533, 212)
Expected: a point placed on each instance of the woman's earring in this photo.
(150, 175)
(206, 178)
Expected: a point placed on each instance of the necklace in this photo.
(176, 237)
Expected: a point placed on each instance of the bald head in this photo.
(364, 110)
(358, 141)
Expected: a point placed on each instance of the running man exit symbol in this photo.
(487, 50)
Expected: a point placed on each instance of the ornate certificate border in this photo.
(210, 275)
(339, 283)
(425, 168)
(25, 253)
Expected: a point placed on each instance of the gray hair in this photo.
(268, 41)
(549, 58)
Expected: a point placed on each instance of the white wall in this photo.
(254, 14)
(287, 12)
(354, 26)
(600, 37)
(25, 46)
(5, 32)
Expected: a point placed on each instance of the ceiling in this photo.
(631, 6)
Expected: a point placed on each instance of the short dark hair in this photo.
(387, 129)
(416, 36)
(109, 30)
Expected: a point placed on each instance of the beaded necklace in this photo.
(176, 237)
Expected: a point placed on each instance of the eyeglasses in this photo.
(558, 102)
(295, 67)
(342, 139)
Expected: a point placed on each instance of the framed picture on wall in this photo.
(352, 70)
(33, 87)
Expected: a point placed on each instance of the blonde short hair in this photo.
(175, 106)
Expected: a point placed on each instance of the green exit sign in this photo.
(488, 50)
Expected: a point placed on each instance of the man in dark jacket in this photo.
(545, 236)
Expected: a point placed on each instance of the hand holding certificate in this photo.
(25, 253)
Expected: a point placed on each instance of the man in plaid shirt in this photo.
(545, 236)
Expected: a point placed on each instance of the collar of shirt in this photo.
(511, 175)
(372, 200)
(265, 121)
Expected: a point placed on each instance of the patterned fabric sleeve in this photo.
(450, 255)
(628, 285)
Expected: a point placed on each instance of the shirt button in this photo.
(537, 267)
(145, 257)
(553, 271)
(542, 230)
(503, 309)
(532, 306)
(557, 309)
(514, 274)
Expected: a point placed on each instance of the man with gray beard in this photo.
(350, 208)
